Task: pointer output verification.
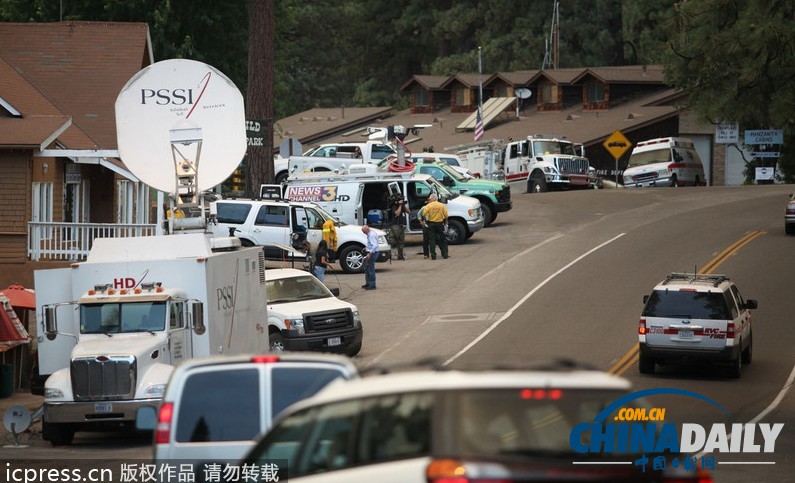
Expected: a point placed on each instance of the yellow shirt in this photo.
(435, 212)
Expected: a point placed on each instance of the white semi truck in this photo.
(112, 328)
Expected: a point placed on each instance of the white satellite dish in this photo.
(523, 93)
(185, 107)
(16, 420)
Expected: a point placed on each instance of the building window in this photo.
(42, 202)
(549, 93)
(461, 97)
(596, 92)
(421, 97)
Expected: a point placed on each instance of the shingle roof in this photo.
(79, 67)
(314, 124)
(558, 76)
(430, 82)
(627, 74)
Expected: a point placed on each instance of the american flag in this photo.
(478, 127)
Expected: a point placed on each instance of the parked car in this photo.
(214, 407)
(789, 216)
(695, 317)
(447, 426)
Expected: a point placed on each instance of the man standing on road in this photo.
(397, 208)
(370, 258)
(435, 213)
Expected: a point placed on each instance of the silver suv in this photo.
(695, 317)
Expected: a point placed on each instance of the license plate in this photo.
(335, 341)
(103, 407)
(685, 334)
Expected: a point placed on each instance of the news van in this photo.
(359, 198)
(664, 162)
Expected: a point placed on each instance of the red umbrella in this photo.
(20, 297)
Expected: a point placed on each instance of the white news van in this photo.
(112, 328)
(363, 197)
(664, 162)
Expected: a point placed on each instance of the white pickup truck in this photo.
(332, 157)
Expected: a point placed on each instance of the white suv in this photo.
(444, 426)
(695, 317)
(277, 224)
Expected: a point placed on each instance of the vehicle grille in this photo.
(505, 193)
(572, 165)
(645, 177)
(330, 320)
(103, 378)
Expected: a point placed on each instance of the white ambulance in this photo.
(664, 162)
(363, 198)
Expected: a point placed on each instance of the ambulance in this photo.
(664, 162)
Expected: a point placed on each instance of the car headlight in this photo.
(155, 390)
(295, 324)
(52, 393)
(473, 213)
(357, 319)
(382, 239)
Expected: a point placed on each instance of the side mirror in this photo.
(335, 291)
(750, 304)
(447, 181)
(146, 418)
(197, 314)
(50, 322)
(645, 299)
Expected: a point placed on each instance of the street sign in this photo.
(617, 144)
(256, 129)
(727, 133)
(764, 136)
(764, 174)
(766, 154)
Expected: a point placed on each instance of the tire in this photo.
(489, 213)
(530, 185)
(698, 181)
(736, 367)
(281, 178)
(674, 182)
(539, 183)
(352, 259)
(646, 365)
(748, 352)
(276, 341)
(456, 232)
(789, 228)
(354, 350)
(58, 434)
(246, 242)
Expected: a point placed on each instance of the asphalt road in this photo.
(562, 275)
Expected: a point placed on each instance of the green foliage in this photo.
(736, 61)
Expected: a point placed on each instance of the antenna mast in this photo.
(551, 58)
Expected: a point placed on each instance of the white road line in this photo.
(521, 254)
(527, 296)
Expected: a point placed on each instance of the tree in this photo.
(736, 62)
(259, 103)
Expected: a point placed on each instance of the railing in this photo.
(72, 241)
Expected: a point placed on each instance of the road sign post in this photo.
(617, 144)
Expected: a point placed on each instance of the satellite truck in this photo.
(112, 328)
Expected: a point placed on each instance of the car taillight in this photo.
(791, 209)
(265, 359)
(163, 429)
(730, 330)
(642, 326)
(454, 471)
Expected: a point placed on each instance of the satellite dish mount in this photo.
(17, 420)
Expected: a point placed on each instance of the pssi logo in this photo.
(164, 97)
(225, 297)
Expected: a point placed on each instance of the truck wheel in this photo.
(352, 259)
(276, 342)
(456, 232)
(281, 178)
(646, 365)
(748, 352)
(354, 350)
(539, 183)
(674, 182)
(58, 434)
(736, 367)
(489, 213)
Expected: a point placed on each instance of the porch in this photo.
(54, 241)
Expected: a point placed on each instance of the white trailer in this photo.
(113, 327)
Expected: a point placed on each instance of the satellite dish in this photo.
(523, 93)
(185, 107)
(16, 420)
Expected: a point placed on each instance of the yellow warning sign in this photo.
(617, 144)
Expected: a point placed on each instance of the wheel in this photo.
(456, 232)
(646, 365)
(736, 367)
(674, 182)
(354, 350)
(748, 352)
(489, 213)
(698, 181)
(531, 185)
(789, 228)
(539, 183)
(58, 434)
(281, 178)
(246, 242)
(276, 341)
(352, 259)
(469, 234)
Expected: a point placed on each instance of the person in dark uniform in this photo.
(398, 208)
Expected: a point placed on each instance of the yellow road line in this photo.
(630, 358)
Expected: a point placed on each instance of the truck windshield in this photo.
(453, 173)
(440, 189)
(328, 216)
(114, 318)
(650, 157)
(553, 147)
(295, 289)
